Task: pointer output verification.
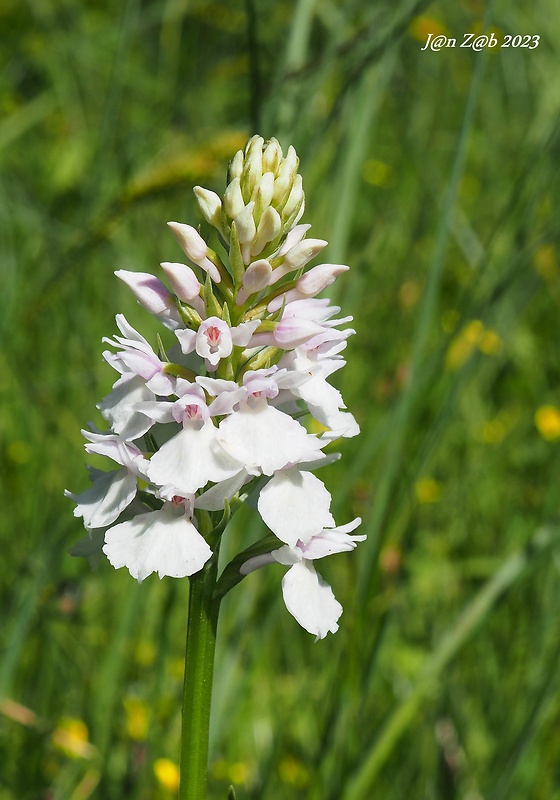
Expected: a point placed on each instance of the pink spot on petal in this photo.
(213, 335)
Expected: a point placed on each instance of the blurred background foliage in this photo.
(434, 175)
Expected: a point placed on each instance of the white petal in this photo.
(117, 407)
(187, 340)
(295, 506)
(213, 499)
(106, 498)
(264, 438)
(241, 335)
(192, 458)
(332, 541)
(163, 541)
(310, 600)
(341, 424)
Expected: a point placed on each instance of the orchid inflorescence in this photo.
(198, 428)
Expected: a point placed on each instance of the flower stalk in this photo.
(202, 626)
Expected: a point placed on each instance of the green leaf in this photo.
(231, 575)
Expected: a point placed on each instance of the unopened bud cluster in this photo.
(199, 425)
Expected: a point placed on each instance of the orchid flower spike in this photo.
(234, 400)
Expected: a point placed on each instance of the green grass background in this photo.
(435, 176)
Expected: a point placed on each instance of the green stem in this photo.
(197, 693)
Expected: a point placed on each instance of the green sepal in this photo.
(288, 223)
(189, 316)
(231, 794)
(150, 500)
(150, 443)
(235, 258)
(264, 359)
(225, 315)
(222, 524)
(267, 326)
(211, 305)
(212, 256)
(161, 348)
(231, 575)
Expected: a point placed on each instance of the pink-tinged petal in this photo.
(148, 290)
(163, 541)
(260, 383)
(265, 439)
(213, 340)
(294, 331)
(192, 458)
(294, 237)
(105, 499)
(297, 257)
(255, 279)
(226, 401)
(310, 600)
(295, 506)
(190, 241)
(194, 246)
(116, 448)
(190, 406)
(310, 284)
(184, 283)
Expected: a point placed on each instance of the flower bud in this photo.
(297, 257)
(252, 168)
(319, 278)
(309, 284)
(263, 194)
(301, 253)
(255, 279)
(245, 224)
(183, 281)
(210, 205)
(272, 155)
(194, 246)
(190, 241)
(233, 199)
(236, 166)
(148, 290)
(295, 198)
(294, 237)
(269, 228)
